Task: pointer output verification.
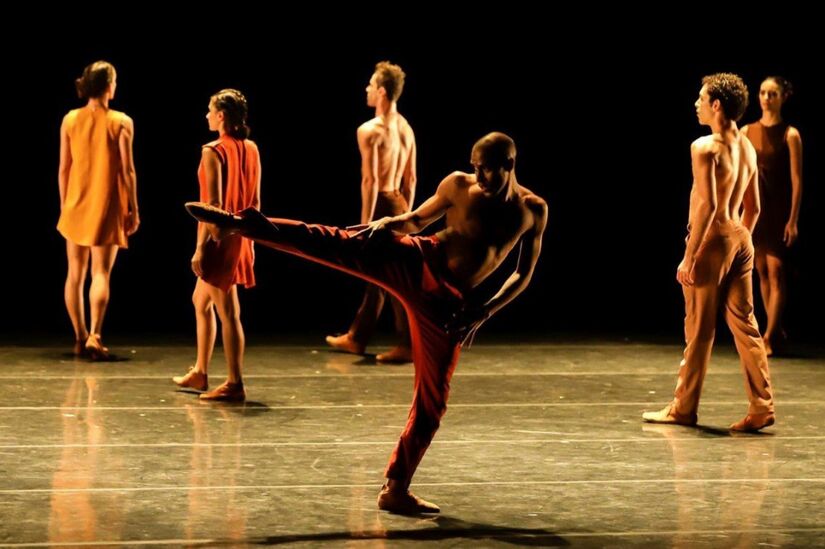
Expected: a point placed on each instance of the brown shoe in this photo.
(344, 342)
(226, 392)
(193, 379)
(404, 503)
(669, 415)
(398, 355)
(95, 349)
(79, 348)
(754, 422)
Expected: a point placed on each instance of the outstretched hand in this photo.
(371, 228)
(465, 323)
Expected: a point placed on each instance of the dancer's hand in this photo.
(132, 223)
(373, 227)
(791, 233)
(197, 262)
(465, 323)
(685, 272)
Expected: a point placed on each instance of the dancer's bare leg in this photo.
(103, 260)
(78, 264)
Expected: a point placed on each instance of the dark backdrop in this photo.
(603, 137)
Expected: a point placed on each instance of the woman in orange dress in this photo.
(779, 157)
(230, 177)
(98, 199)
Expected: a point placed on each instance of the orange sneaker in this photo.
(344, 342)
(754, 422)
(404, 503)
(399, 355)
(193, 379)
(95, 349)
(669, 415)
(226, 392)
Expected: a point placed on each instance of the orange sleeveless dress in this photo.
(97, 203)
(230, 261)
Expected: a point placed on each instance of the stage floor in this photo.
(542, 445)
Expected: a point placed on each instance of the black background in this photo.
(604, 137)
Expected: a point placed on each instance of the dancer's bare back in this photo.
(387, 144)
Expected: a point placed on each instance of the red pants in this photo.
(723, 278)
(413, 269)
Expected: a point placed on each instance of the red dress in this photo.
(230, 261)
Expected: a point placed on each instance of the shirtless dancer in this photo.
(717, 267)
(387, 146)
(488, 214)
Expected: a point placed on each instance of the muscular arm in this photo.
(369, 173)
(409, 177)
(65, 161)
(795, 148)
(703, 208)
(428, 212)
(529, 250)
(127, 164)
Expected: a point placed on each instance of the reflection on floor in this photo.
(542, 446)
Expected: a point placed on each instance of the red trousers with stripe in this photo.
(413, 269)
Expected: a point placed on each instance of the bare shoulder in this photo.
(533, 202)
(405, 125)
(127, 122)
(705, 144)
(794, 135)
(456, 183)
(251, 145)
(369, 131)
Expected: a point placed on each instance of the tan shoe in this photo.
(95, 349)
(754, 422)
(226, 392)
(404, 503)
(193, 379)
(398, 355)
(344, 342)
(669, 415)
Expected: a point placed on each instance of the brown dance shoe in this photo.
(95, 349)
(669, 415)
(226, 392)
(399, 355)
(344, 342)
(754, 422)
(404, 503)
(193, 379)
(79, 348)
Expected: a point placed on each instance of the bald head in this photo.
(497, 149)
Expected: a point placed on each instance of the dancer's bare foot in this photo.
(404, 502)
(754, 422)
(344, 342)
(399, 355)
(669, 415)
